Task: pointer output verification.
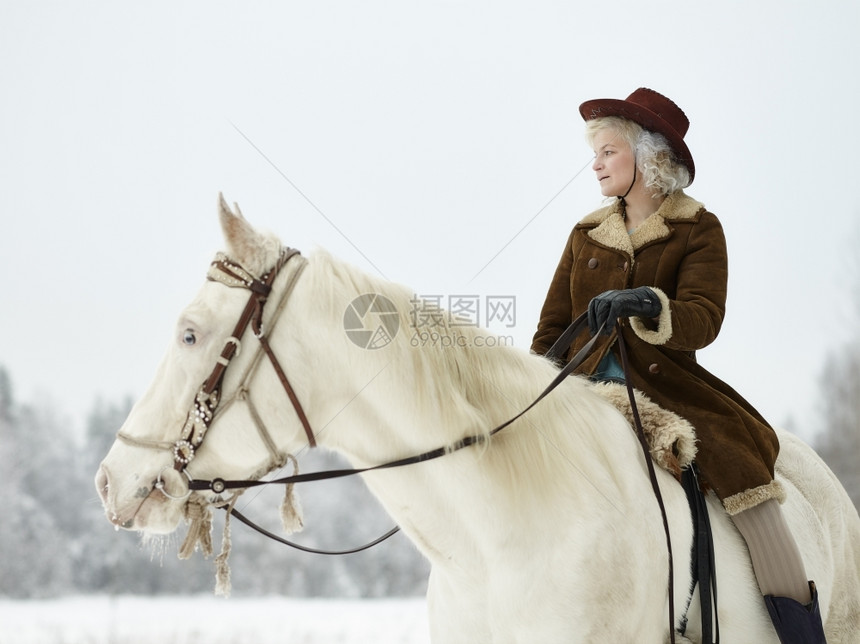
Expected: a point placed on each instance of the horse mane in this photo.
(473, 388)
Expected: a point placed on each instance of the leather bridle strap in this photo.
(314, 551)
(260, 289)
(291, 394)
(253, 314)
(253, 309)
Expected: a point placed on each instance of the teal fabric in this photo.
(609, 369)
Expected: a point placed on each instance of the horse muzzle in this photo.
(153, 507)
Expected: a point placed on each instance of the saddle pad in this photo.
(671, 439)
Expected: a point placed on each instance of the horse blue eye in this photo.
(188, 337)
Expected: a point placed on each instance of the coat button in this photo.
(592, 263)
(654, 368)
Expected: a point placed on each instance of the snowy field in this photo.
(210, 620)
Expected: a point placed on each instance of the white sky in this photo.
(430, 135)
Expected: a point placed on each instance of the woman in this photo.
(654, 260)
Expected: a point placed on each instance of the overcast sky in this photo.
(436, 143)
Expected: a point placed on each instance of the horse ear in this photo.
(241, 238)
(244, 244)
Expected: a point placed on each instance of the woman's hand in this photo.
(611, 305)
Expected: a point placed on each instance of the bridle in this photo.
(206, 401)
(209, 399)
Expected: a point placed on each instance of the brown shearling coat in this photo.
(680, 252)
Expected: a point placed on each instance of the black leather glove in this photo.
(611, 305)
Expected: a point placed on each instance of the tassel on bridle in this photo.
(222, 568)
(291, 509)
(198, 513)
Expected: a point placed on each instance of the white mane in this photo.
(471, 389)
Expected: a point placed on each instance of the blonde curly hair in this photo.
(660, 168)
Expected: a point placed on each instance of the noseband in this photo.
(202, 412)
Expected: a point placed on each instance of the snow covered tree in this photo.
(839, 444)
(36, 459)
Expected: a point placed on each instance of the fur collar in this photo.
(607, 226)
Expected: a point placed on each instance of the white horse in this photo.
(547, 532)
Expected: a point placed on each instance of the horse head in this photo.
(143, 480)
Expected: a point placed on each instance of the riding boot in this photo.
(794, 622)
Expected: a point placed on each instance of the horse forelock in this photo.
(256, 255)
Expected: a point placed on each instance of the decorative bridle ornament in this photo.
(199, 419)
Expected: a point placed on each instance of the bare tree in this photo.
(839, 443)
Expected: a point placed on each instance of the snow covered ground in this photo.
(211, 620)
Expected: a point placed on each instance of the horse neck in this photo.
(379, 405)
(410, 396)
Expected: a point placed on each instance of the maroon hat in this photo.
(654, 112)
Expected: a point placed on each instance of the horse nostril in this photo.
(102, 484)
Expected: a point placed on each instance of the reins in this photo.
(655, 485)
(219, 485)
(561, 345)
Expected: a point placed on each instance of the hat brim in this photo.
(601, 107)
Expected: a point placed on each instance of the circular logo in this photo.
(371, 321)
